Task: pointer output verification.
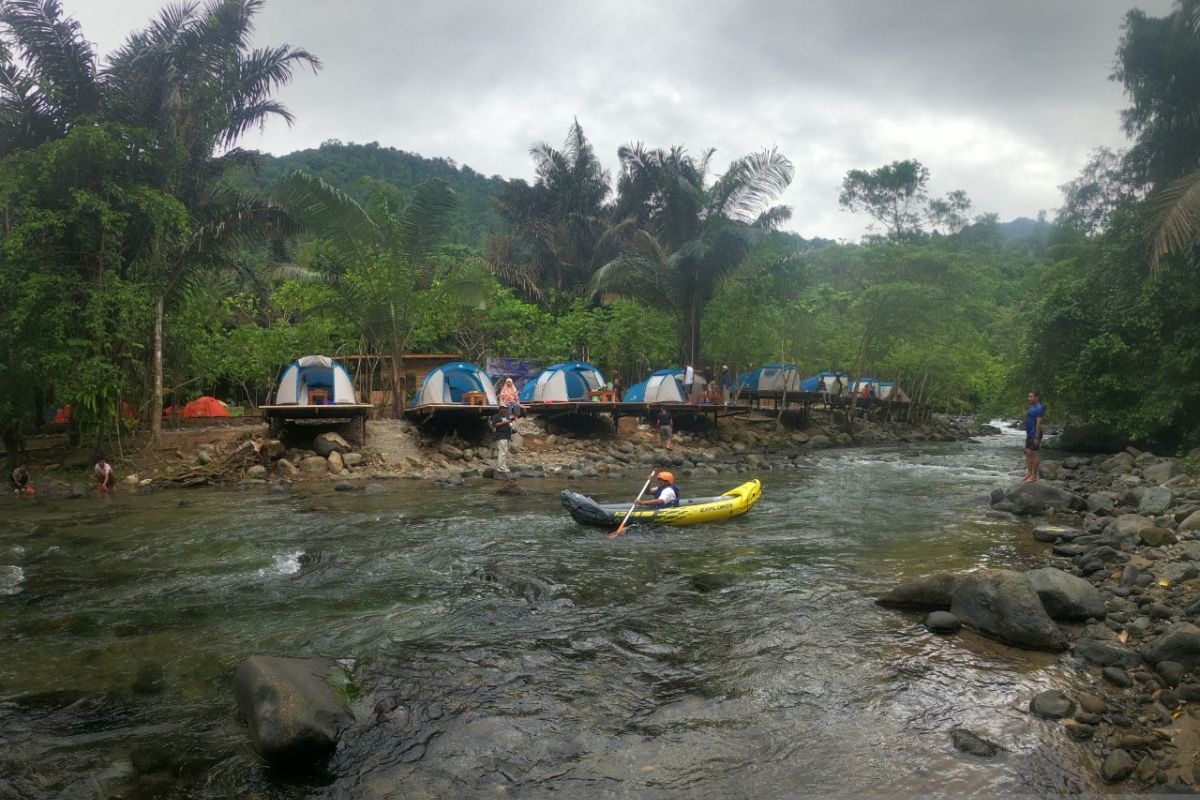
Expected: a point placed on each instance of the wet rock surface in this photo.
(1122, 543)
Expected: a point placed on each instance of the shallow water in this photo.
(502, 650)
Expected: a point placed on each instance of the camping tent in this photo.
(813, 384)
(63, 416)
(315, 381)
(205, 407)
(563, 382)
(771, 378)
(888, 390)
(448, 383)
(661, 387)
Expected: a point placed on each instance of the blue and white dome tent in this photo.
(661, 387)
(447, 384)
(771, 378)
(564, 382)
(315, 380)
(813, 384)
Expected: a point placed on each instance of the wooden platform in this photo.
(451, 411)
(334, 412)
(622, 409)
(429, 411)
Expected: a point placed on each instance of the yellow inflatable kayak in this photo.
(689, 511)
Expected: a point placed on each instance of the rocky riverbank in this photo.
(1119, 596)
(398, 450)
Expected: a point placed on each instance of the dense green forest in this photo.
(144, 255)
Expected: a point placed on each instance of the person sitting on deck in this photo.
(666, 494)
(510, 398)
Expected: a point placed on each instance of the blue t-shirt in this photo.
(1031, 417)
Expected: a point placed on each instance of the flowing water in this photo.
(503, 651)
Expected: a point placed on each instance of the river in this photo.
(503, 651)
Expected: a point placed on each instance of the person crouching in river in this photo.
(18, 481)
(106, 477)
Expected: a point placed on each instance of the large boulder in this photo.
(314, 465)
(930, 592)
(1156, 500)
(330, 442)
(292, 709)
(1085, 439)
(1191, 522)
(1120, 463)
(1031, 499)
(1161, 472)
(1065, 596)
(1003, 604)
(1179, 643)
(1126, 529)
(1107, 654)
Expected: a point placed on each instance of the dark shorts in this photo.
(1033, 443)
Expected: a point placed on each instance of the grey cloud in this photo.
(1002, 99)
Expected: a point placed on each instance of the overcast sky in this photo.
(1004, 99)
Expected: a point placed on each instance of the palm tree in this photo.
(59, 82)
(557, 221)
(193, 79)
(678, 236)
(381, 258)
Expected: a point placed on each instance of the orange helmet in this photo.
(669, 477)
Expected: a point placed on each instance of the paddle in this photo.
(621, 528)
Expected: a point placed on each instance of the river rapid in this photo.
(503, 651)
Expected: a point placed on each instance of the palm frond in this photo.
(60, 60)
(750, 184)
(427, 217)
(1174, 217)
(773, 217)
(326, 212)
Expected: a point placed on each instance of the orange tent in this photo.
(63, 417)
(205, 407)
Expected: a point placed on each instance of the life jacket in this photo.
(674, 502)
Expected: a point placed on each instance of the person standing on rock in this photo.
(1033, 436)
(502, 434)
(666, 427)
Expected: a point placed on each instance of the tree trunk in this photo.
(398, 388)
(156, 407)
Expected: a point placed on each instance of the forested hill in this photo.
(345, 165)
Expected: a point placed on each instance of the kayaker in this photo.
(665, 494)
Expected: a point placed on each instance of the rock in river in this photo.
(1065, 596)
(292, 710)
(1180, 643)
(971, 743)
(942, 622)
(1052, 704)
(932, 592)
(1031, 499)
(1002, 604)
